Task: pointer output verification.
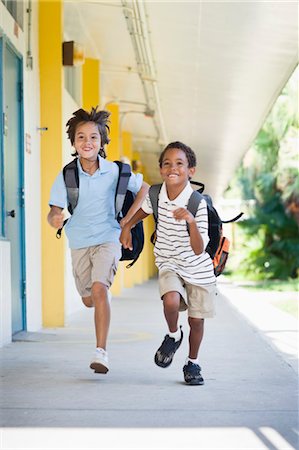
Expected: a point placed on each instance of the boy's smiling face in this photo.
(87, 141)
(174, 169)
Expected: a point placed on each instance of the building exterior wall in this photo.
(18, 39)
(51, 296)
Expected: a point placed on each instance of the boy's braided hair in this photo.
(100, 118)
(190, 155)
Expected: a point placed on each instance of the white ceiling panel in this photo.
(217, 69)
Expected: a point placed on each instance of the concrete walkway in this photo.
(50, 399)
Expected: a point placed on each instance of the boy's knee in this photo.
(99, 291)
(195, 322)
(171, 300)
(88, 302)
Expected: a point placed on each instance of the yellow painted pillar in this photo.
(51, 79)
(149, 226)
(90, 83)
(114, 148)
(127, 149)
(113, 153)
(139, 272)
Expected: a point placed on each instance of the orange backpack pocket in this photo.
(221, 256)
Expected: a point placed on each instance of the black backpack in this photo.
(123, 201)
(218, 246)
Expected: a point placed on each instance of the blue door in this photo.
(12, 168)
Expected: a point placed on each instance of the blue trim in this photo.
(7, 46)
(22, 193)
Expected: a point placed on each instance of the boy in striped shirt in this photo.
(186, 274)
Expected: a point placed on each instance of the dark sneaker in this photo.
(165, 353)
(192, 374)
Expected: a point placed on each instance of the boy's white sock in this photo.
(194, 361)
(176, 335)
(101, 350)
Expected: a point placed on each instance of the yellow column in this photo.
(113, 153)
(50, 67)
(113, 149)
(90, 83)
(127, 149)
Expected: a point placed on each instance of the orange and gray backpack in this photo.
(218, 246)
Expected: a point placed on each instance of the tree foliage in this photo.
(268, 180)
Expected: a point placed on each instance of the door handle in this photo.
(11, 213)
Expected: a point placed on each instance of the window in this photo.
(72, 82)
(16, 9)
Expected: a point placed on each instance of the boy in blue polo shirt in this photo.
(92, 230)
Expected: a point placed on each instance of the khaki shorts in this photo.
(199, 300)
(96, 263)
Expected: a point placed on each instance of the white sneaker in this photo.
(100, 361)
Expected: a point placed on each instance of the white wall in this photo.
(32, 181)
(31, 173)
(5, 293)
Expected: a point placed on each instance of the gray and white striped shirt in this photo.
(172, 248)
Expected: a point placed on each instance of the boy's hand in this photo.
(55, 217)
(123, 222)
(126, 237)
(183, 214)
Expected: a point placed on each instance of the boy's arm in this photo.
(125, 236)
(140, 196)
(55, 217)
(196, 240)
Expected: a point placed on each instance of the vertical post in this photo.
(90, 83)
(50, 65)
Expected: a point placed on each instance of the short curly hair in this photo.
(100, 118)
(190, 155)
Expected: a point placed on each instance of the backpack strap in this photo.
(122, 186)
(154, 192)
(194, 201)
(71, 179)
(198, 183)
(234, 219)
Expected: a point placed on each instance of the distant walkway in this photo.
(277, 327)
(248, 400)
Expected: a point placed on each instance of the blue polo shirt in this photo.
(93, 221)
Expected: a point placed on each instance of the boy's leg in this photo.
(192, 369)
(100, 301)
(171, 303)
(195, 336)
(94, 269)
(200, 306)
(88, 302)
(99, 296)
(104, 260)
(171, 291)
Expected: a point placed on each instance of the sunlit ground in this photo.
(239, 438)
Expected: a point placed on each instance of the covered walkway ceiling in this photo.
(202, 72)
